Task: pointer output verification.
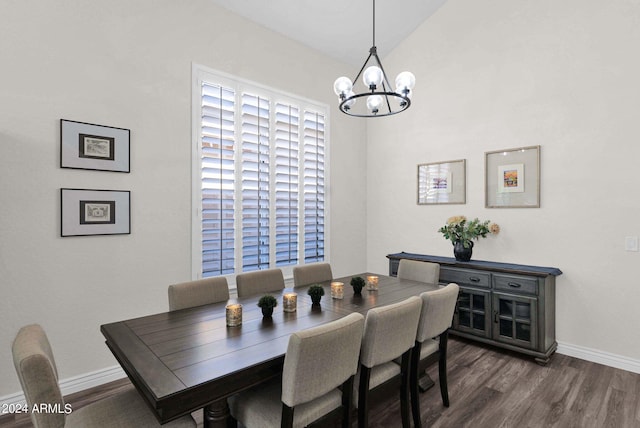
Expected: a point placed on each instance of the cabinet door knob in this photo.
(474, 279)
(495, 317)
(514, 284)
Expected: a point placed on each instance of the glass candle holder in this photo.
(289, 302)
(372, 282)
(234, 315)
(337, 290)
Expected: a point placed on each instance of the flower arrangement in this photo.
(458, 229)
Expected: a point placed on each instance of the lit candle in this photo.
(234, 315)
(289, 302)
(337, 290)
(372, 282)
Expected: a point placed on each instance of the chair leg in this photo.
(287, 417)
(413, 385)
(363, 397)
(347, 402)
(442, 368)
(404, 390)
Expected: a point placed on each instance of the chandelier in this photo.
(381, 99)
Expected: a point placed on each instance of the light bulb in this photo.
(342, 85)
(372, 76)
(405, 80)
(374, 102)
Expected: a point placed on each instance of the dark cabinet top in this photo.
(480, 264)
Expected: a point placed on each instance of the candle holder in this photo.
(289, 302)
(372, 282)
(337, 290)
(234, 315)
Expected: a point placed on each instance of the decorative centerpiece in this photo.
(267, 303)
(316, 292)
(461, 233)
(357, 282)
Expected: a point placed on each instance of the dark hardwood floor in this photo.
(489, 387)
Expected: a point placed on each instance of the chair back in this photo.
(261, 281)
(311, 274)
(199, 292)
(436, 315)
(419, 271)
(320, 359)
(389, 331)
(36, 369)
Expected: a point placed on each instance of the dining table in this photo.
(190, 359)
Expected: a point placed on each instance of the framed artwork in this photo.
(86, 212)
(512, 178)
(442, 182)
(96, 147)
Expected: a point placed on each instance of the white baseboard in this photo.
(73, 384)
(600, 357)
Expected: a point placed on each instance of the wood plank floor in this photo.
(489, 387)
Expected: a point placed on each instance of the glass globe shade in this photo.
(372, 76)
(405, 80)
(342, 85)
(374, 102)
(352, 101)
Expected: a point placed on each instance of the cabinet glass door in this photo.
(473, 314)
(515, 319)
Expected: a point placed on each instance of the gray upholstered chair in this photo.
(431, 342)
(36, 368)
(261, 281)
(419, 271)
(311, 274)
(389, 333)
(199, 292)
(317, 379)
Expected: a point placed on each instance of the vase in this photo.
(315, 300)
(267, 312)
(461, 253)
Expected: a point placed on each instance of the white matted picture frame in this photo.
(442, 182)
(94, 147)
(512, 178)
(85, 212)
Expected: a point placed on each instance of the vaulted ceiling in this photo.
(342, 29)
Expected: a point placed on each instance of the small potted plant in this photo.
(357, 282)
(267, 303)
(316, 292)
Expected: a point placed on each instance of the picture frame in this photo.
(94, 147)
(85, 212)
(442, 182)
(512, 178)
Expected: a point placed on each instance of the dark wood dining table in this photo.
(186, 360)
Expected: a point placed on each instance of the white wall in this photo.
(128, 64)
(503, 74)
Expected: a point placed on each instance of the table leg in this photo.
(216, 415)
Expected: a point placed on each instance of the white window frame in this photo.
(202, 74)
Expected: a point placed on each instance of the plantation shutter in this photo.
(255, 182)
(218, 180)
(314, 144)
(287, 158)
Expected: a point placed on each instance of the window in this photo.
(259, 177)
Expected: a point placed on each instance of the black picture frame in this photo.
(87, 212)
(94, 147)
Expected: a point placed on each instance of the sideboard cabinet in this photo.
(503, 304)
